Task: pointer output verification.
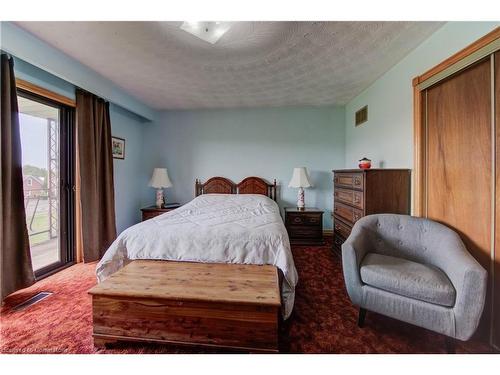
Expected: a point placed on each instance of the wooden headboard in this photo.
(249, 185)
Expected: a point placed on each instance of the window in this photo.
(47, 145)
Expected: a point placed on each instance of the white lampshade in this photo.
(160, 179)
(300, 178)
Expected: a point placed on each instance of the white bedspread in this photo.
(212, 228)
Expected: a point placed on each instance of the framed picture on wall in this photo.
(118, 147)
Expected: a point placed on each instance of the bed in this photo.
(224, 223)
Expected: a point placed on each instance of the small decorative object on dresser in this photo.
(159, 181)
(365, 163)
(300, 179)
(304, 226)
(358, 193)
(152, 211)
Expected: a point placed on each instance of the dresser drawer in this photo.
(347, 213)
(341, 229)
(304, 232)
(351, 197)
(313, 219)
(349, 180)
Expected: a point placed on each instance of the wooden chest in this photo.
(224, 305)
(304, 226)
(358, 193)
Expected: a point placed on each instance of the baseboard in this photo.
(328, 232)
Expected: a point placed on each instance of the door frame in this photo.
(66, 176)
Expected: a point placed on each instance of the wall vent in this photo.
(362, 115)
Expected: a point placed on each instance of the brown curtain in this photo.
(15, 258)
(98, 228)
(78, 210)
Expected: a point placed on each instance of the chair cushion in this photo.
(407, 278)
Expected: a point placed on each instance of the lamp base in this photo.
(301, 202)
(159, 198)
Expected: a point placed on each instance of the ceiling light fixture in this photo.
(210, 32)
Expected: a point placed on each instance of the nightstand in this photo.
(152, 211)
(304, 226)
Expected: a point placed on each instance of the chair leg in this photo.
(450, 345)
(361, 317)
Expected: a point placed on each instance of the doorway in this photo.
(47, 144)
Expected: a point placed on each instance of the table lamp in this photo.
(300, 179)
(159, 181)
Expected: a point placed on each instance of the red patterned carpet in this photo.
(323, 321)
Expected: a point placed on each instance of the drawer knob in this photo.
(296, 219)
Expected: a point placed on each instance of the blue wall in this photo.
(248, 142)
(127, 172)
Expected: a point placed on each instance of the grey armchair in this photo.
(415, 270)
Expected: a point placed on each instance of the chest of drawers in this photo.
(358, 193)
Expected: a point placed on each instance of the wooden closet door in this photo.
(496, 272)
(459, 156)
(459, 160)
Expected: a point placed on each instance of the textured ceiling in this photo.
(255, 64)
